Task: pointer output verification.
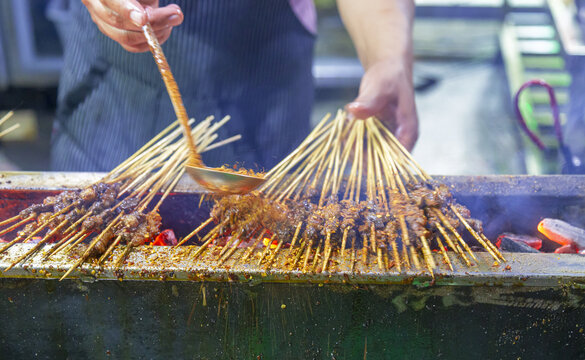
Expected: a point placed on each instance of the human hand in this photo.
(122, 20)
(387, 92)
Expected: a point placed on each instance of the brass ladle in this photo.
(218, 181)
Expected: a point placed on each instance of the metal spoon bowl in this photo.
(222, 182)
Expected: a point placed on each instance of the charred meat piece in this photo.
(128, 204)
(331, 213)
(147, 229)
(34, 210)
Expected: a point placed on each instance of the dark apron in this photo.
(249, 59)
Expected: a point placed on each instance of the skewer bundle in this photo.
(349, 192)
(117, 210)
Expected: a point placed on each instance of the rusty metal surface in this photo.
(176, 264)
(71, 180)
(488, 185)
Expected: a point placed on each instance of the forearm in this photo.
(381, 30)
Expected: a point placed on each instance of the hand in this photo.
(386, 92)
(122, 20)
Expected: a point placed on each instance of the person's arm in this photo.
(381, 31)
(122, 20)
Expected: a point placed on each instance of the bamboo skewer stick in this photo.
(396, 256)
(91, 246)
(295, 237)
(8, 245)
(65, 242)
(146, 146)
(123, 256)
(298, 255)
(37, 246)
(231, 251)
(194, 232)
(266, 249)
(427, 255)
(7, 116)
(110, 249)
(233, 239)
(73, 242)
(494, 248)
(52, 250)
(454, 232)
(317, 256)
(454, 246)
(474, 233)
(9, 221)
(274, 254)
(344, 241)
(253, 247)
(9, 130)
(326, 252)
(15, 226)
(205, 245)
(307, 254)
(444, 253)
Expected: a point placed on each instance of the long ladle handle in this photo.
(173, 90)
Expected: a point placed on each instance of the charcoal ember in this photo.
(511, 245)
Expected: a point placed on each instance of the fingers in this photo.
(371, 100)
(168, 16)
(122, 20)
(120, 14)
(386, 93)
(407, 132)
(133, 41)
